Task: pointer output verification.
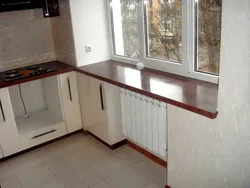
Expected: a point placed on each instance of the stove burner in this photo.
(33, 67)
(11, 72)
(42, 69)
(15, 75)
(25, 72)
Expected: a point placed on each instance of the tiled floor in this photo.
(80, 161)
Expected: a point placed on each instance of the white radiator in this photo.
(145, 121)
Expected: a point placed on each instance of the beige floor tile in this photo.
(152, 171)
(35, 177)
(128, 177)
(26, 161)
(5, 170)
(52, 184)
(69, 144)
(81, 161)
(101, 184)
(129, 155)
(92, 153)
(72, 172)
(152, 185)
(11, 182)
(107, 166)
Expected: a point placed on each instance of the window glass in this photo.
(209, 35)
(126, 38)
(164, 29)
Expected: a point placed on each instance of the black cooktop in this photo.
(25, 72)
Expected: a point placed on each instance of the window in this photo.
(209, 35)
(181, 37)
(164, 33)
(126, 39)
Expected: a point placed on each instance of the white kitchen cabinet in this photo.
(1, 152)
(70, 100)
(8, 130)
(91, 104)
(101, 109)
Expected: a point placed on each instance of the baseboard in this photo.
(147, 154)
(85, 132)
(113, 146)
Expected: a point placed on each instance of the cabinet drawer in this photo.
(35, 138)
(45, 134)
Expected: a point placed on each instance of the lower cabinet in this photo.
(1, 153)
(70, 101)
(101, 109)
(35, 112)
(8, 129)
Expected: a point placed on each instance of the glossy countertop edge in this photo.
(197, 110)
(59, 66)
(63, 68)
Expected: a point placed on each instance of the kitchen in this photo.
(64, 94)
(40, 101)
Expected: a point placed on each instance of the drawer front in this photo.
(45, 134)
(35, 138)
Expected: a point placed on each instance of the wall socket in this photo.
(88, 48)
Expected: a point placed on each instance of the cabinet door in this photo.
(114, 112)
(1, 153)
(8, 129)
(92, 98)
(70, 99)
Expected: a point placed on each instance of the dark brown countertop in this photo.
(193, 95)
(60, 68)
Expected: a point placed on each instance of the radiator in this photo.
(144, 121)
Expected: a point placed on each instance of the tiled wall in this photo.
(63, 34)
(25, 38)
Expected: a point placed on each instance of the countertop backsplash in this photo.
(25, 39)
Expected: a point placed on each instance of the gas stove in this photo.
(25, 72)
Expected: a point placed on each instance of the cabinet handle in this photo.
(46, 9)
(1, 106)
(101, 96)
(69, 86)
(37, 136)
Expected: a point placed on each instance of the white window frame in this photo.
(187, 67)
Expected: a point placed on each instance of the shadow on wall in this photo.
(62, 31)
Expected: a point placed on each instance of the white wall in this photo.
(90, 26)
(206, 153)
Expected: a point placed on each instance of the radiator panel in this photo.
(145, 121)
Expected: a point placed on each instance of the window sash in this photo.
(187, 67)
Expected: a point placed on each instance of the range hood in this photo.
(50, 7)
(11, 5)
